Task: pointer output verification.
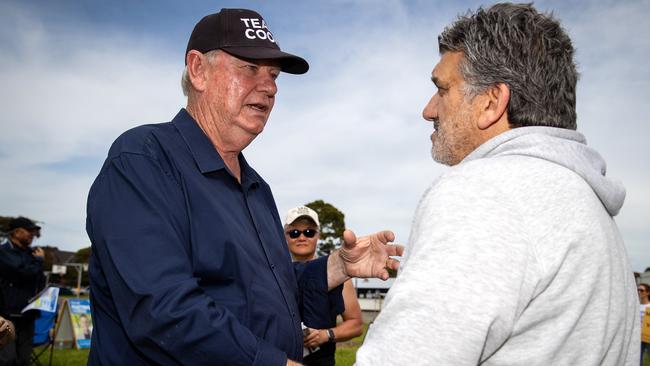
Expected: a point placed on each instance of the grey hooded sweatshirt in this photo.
(514, 259)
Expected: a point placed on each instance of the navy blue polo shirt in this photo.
(189, 266)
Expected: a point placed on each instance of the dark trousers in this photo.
(645, 348)
(322, 361)
(18, 353)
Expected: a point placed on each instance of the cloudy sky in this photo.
(75, 74)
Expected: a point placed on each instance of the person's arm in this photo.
(16, 267)
(352, 324)
(350, 327)
(458, 293)
(39, 256)
(137, 223)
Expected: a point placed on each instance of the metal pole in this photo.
(79, 269)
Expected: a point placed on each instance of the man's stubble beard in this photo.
(453, 140)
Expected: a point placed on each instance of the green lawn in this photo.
(66, 357)
(345, 354)
(70, 357)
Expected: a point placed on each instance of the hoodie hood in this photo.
(564, 147)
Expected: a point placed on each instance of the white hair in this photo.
(186, 84)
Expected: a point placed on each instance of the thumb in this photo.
(349, 239)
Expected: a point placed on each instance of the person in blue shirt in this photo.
(189, 263)
(21, 277)
(302, 231)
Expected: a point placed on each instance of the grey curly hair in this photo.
(528, 51)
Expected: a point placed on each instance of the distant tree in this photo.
(4, 224)
(647, 269)
(82, 255)
(70, 277)
(332, 225)
(49, 257)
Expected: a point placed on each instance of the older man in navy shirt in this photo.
(189, 263)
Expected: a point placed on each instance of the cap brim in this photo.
(289, 63)
(315, 221)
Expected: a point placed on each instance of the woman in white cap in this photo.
(302, 230)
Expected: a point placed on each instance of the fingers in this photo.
(395, 250)
(392, 264)
(311, 337)
(385, 236)
(383, 275)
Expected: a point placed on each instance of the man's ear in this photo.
(197, 64)
(494, 105)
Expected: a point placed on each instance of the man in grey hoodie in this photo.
(514, 256)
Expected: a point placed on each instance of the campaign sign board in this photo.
(75, 324)
(81, 321)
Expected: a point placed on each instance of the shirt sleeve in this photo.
(21, 268)
(137, 223)
(462, 285)
(316, 303)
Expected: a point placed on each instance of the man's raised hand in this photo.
(369, 256)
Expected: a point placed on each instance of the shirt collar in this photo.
(205, 155)
(8, 244)
(248, 174)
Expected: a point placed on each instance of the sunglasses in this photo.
(641, 289)
(295, 233)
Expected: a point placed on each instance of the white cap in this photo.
(300, 211)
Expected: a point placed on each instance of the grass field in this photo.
(70, 357)
(345, 354)
(66, 357)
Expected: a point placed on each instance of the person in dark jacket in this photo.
(21, 277)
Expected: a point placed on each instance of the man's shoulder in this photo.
(474, 174)
(510, 170)
(7, 246)
(143, 139)
(500, 180)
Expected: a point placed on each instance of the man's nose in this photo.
(430, 111)
(267, 85)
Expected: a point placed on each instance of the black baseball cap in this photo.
(23, 222)
(242, 33)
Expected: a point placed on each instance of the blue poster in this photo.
(45, 301)
(81, 322)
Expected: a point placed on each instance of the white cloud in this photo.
(70, 101)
